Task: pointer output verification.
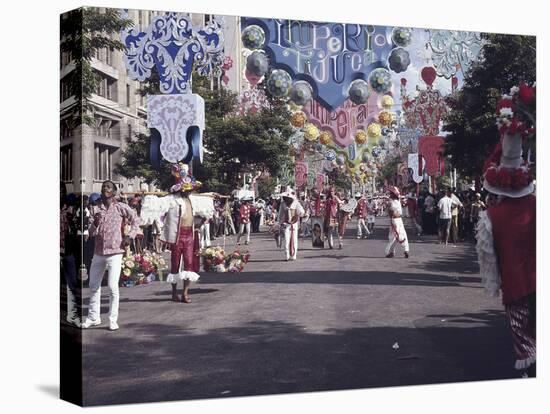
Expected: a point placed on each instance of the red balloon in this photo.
(428, 75)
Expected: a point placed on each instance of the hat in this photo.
(184, 180)
(358, 194)
(246, 198)
(505, 172)
(394, 190)
(94, 197)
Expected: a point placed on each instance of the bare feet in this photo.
(186, 299)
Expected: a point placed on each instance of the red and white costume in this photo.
(361, 211)
(244, 221)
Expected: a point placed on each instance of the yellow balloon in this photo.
(325, 138)
(387, 102)
(374, 130)
(360, 137)
(298, 119)
(311, 132)
(385, 118)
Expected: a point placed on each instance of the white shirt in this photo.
(395, 207)
(445, 206)
(457, 204)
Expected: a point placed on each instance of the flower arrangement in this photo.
(360, 137)
(298, 119)
(509, 178)
(140, 269)
(216, 260)
(325, 137)
(514, 112)
(311, 132)
(385, 118)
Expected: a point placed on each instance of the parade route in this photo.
(333, 319)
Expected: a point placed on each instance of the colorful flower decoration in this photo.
(325, 137)
(380, 80)
(385, 118)
(257, 63)
(340, 160)
(298, 119)
(399, 60)
(366, 157)
(184, 181)
(387, 102)
(509, 106)
(330, 155)
(402, 36)
(301, 92)
(374, 130)
(279, 83)
(253, 37)
(359, 91)
(311, 132)
(360, 137)
(509, 178)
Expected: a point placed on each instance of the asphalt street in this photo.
(332, 320)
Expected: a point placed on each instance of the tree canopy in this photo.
(506, 61)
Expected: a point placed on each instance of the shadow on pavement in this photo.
(160, 362)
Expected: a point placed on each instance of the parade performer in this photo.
(361, 214)
(371, 214)
(332, 205)
(289, 220)
(244, 219)
(179, 209)
(110, 243)
(397, 233)
(506, 242)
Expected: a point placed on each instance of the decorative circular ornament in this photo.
(340, 159)
(387, 102)
(279, 83)
(257, 64)
(376, 151)
(366, 157)
(360, 137)
(253, 37)
(301, 93)
(311, 132)
(330, 155)
(385, 118)
(359, 92)
(385, 131)
(402, 36)
(399, 60)
(380, 80)
(374, 130)
(382, 143)
(325, 138)
(298, 119)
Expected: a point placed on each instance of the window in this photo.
(108, 56)
(65, 92)
(127, 95)
(65, 131)
(107, 88)
(66, 161)
(103, 162)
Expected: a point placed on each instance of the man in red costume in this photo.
(506, 243)
(331, 216)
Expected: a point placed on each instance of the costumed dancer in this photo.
(397, 233)
(244, 219)
(289, 219)
(506, 245)
(371, 214)
(180, 207)
(332, 205)
(361, 214)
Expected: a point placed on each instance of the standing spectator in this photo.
(457, 206)
(476, 209)
(428, 218)
(445, 206)
(109, 247)
(371, 214)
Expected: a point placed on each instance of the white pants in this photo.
(360, 225)
(204, 232)
(396, 235)
(72, 310)
(112, 263)
(291, 235)
(242, 228)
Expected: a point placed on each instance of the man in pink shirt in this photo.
(107, 227)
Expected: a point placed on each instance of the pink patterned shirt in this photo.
(109, 231)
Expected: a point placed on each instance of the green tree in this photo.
(83, 32)
(506, 60)
(233, 144)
